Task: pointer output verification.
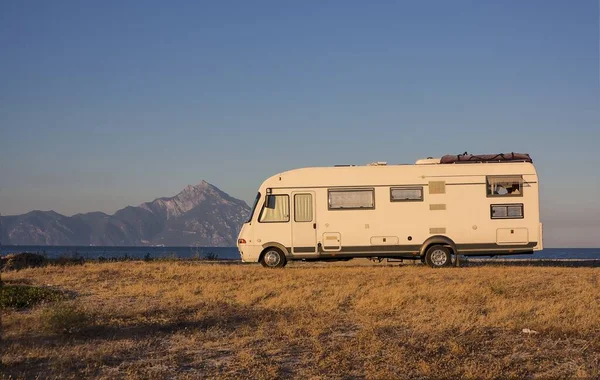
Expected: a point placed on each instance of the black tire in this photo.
(273, 257)
(438, 256)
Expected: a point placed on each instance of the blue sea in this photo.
(230, 253)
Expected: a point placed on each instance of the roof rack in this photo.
(466, 158)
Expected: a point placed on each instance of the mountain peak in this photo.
(191, 192)
(200, 186)
(189, 198)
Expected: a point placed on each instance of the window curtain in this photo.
(280, 213)
(515, 211)
(406, 194)
(303, 208)
(351, 199)
(499, 212)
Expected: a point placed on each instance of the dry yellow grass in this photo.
(184, 320)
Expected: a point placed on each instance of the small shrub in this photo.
(196, 254)
(65, 318)
(23, 260)
(210, 256)
(67, 260)
(22, 296)
(117, 259)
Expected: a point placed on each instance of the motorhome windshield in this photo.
(253, 208)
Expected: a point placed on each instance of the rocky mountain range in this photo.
(200, 215)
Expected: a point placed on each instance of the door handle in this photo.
(315, 226)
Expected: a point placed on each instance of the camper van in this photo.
(433, 211)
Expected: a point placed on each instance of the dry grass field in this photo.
(185, 320)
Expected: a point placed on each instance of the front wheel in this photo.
(273, 258)
(438, 256)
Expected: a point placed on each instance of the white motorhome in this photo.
(431, 211)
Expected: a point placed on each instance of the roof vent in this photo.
(378, 163)
(427, 161)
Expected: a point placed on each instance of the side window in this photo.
(505, 186)
(507, 211)
(351, 199)
(303, 208)
(406, 194)
(277, 209)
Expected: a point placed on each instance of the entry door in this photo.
(304, 223)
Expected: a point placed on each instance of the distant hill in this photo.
(200, 215)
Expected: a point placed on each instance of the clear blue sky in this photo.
(113, 103)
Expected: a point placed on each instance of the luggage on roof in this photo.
(500, 157)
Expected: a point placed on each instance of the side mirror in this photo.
(270, 201)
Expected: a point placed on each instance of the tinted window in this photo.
(253, 208)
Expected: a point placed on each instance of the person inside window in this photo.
(501, 190)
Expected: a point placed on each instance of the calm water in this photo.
(231, 253)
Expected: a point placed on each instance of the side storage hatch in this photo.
(332, 242)
(508, 236)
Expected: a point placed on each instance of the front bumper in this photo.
(250, 253)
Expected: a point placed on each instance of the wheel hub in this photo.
(272, 258)
(439, 257)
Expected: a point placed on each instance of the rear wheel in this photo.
(438, 256)
(273, 258)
